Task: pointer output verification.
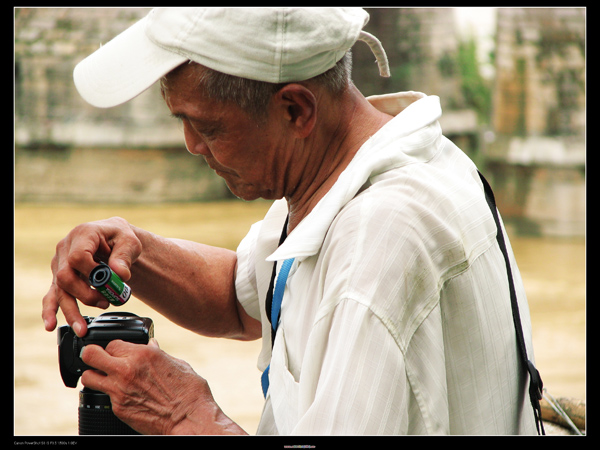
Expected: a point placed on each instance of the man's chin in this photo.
(245, 192)
(249, 192)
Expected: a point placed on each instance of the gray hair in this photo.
(254, 96)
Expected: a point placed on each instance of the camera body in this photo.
(95, 413)
(101, 330)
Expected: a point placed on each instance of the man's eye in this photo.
(207, 131)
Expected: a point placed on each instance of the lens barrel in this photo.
(96, 416)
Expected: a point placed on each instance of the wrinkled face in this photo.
(245, 152)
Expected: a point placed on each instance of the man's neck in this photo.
(333, 146)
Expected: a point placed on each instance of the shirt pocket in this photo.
(283, 388)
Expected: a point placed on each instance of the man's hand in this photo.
(191, 284)
(152, 392)
(111, 240)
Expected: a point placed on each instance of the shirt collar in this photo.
(406, 139)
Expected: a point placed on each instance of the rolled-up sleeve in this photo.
(245, 279)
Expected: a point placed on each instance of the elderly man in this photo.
(376, 280)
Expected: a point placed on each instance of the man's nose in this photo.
(194, 142)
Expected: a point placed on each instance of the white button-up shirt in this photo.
(396, 317)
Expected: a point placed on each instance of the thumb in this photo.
(153, 342)
(123, 256)
(120, 267)
(125, 246)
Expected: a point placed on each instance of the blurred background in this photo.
(512, 86)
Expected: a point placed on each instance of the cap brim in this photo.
(123, 68)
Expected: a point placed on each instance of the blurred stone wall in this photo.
(68, 150)
(65, 149)
(537, 159)
(534, 151)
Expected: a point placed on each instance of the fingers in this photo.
(76, 255)
(57, 298)
(110, 240)
(104, 359)
(119, 362)
(50, 304)
(70, 281)
(95, 356)
(49, 309)
(67, 285)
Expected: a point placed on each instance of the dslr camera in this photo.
(95, 409)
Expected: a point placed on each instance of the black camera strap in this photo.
(535, 381)
(269, 298)
(273, 302)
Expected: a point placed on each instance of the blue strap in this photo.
(275, 311)
(264, 380)
(278, 293)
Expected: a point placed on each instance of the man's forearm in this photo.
(192, 284)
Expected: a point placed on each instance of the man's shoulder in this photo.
(421, 209)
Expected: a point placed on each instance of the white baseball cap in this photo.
(276, 45)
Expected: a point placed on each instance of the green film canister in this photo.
(108, 283)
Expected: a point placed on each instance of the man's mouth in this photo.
(218, 169)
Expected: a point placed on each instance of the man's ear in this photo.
(299, 107)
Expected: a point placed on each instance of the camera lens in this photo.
(96, 416)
